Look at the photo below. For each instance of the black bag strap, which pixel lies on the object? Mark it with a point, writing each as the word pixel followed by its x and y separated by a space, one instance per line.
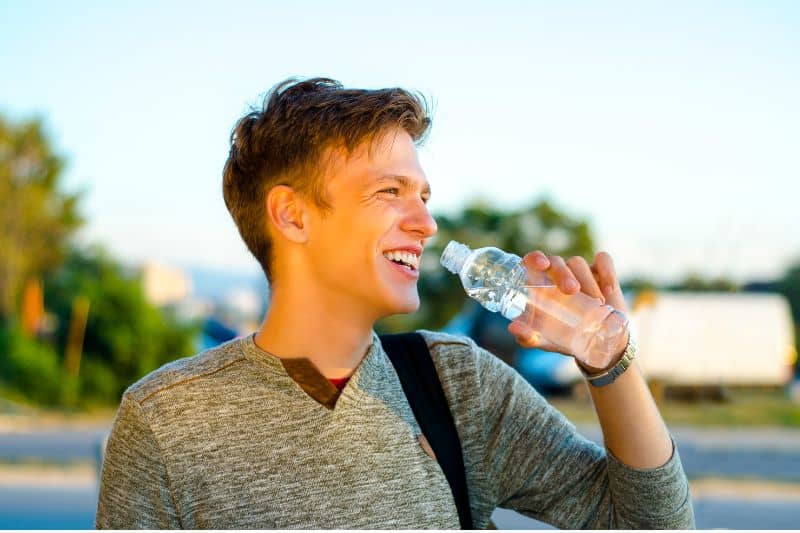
pixel 414 366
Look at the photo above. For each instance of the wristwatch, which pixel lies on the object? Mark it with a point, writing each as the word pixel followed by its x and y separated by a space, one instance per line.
pixel 609 376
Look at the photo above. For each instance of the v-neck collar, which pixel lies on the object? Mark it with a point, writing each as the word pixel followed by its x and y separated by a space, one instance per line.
pixel 306 378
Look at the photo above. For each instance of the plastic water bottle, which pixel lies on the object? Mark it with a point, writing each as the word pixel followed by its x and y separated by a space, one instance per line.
pixel 583 326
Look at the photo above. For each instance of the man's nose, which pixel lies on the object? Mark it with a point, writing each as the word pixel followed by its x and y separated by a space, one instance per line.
pixel 419 220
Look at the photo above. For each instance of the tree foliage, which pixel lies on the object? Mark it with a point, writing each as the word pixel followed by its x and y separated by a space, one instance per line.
pixel 696 283
pixel 789 286
pixel 126 336
pixel 30 367
pixel 37 217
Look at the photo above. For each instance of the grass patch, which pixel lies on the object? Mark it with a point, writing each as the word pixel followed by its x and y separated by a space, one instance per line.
pixel 37 462
pixel 19 412
pixel 741 408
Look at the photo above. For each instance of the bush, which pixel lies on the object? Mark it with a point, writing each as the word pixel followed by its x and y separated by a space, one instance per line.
pixel 98 382
pixel 126 337
pixel 29 366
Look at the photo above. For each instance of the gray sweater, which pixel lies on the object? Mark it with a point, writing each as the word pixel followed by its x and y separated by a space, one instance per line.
pixel 227 439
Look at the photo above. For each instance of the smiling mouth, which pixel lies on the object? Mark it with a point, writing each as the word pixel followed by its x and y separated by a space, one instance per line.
pixel 406 259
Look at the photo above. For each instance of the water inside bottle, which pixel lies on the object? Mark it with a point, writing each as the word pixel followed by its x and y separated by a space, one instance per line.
pixel 513 302
pixel 489 297
pixel 509 302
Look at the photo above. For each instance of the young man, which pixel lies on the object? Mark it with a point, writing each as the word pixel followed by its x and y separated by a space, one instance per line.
pixel 304 424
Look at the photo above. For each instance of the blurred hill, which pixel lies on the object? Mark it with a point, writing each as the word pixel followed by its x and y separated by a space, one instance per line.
pixel 216 284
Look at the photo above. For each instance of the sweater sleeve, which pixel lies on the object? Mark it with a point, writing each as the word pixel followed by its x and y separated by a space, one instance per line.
pixel 538 464
pixel 134 486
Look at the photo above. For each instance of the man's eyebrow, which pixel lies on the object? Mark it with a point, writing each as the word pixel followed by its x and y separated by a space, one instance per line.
pixel 405 181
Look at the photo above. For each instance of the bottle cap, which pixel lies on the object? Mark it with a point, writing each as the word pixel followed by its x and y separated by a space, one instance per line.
pixel 454 256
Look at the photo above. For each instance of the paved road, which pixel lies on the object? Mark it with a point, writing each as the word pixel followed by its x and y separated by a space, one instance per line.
pixel 768 453
pixel 53 446
pixel 47 508
pixel 709 514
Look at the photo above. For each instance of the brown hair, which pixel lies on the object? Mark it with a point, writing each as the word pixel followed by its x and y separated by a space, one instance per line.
pixel 283 143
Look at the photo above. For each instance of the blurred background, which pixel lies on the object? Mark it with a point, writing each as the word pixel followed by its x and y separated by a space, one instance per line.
pixel 663 133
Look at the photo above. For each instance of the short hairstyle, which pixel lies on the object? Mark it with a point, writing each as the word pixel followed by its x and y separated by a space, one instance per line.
pixel 283 143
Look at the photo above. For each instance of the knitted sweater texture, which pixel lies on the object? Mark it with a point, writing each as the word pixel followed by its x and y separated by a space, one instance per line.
pixel 227 439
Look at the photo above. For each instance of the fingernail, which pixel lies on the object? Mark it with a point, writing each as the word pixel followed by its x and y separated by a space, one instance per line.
pixel 608 290
pixel 571 284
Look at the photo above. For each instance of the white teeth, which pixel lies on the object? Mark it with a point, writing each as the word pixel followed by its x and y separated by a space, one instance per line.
pixel 406 257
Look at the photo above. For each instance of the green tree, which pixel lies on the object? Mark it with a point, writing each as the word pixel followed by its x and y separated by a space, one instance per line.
pixel 538 227
pixel 638 283
pixel 126 336
pixel 37 217
pixel 789 286
pixel 696 283
pixel 29 366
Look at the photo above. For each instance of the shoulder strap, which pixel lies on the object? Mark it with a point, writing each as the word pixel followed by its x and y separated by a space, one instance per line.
pixel 412 361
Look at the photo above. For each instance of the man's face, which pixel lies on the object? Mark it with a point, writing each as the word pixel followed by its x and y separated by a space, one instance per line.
pixel 379 217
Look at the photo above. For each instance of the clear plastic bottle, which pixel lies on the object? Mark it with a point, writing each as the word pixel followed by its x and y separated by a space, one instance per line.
pixel 583 326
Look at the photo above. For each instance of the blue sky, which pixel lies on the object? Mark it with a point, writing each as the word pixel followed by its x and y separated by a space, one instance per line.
pixel 673 126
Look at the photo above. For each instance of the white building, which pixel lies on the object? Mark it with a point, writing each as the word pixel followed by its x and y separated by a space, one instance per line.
pixel 164 285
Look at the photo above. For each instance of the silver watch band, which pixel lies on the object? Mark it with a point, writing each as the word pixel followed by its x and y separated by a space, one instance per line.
pixel 609 376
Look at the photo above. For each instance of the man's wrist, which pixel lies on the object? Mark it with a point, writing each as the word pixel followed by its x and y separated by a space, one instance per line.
pixel 602 377
pixel 614 361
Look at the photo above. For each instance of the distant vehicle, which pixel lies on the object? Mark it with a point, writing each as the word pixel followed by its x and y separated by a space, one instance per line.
pixel 729 339
pixel 548 372
pixel 215 332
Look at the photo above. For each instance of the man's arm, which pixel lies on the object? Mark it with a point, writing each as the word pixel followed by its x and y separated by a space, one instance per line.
pixel 134 486
pixel 643 465
pixel 537 463
pixel 633 429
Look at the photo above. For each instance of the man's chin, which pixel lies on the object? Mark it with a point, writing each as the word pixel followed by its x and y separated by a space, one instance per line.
pixel 403 307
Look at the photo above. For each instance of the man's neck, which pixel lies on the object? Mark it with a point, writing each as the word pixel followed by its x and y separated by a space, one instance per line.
pixel 317 328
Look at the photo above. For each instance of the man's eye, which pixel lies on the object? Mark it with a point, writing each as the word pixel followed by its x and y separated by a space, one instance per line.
pixel 394 191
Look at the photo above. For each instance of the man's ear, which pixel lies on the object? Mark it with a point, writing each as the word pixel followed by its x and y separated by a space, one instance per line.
pixel 287 212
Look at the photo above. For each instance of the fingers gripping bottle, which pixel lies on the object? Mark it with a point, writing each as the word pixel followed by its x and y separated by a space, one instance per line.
pixel 583 326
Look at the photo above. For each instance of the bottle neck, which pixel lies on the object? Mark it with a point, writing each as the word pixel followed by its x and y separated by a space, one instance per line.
pixel 454 256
